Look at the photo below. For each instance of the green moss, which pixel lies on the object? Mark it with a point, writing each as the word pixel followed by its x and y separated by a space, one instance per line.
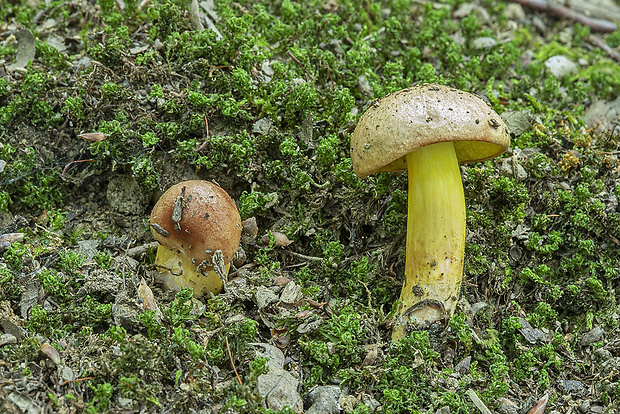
pixel 179 311
pixel 50 56
pixel 335 346
pixel 132 387
pixel 103 259
pixel 461 330
pixel 102 393
pixel 9 289
pixel 113 92
pixel 44 323
pixel 14 256
pixel 28 102
pixel 254 203
pixel 53 283
pixel 544 357
pixel 403 382
pixel 70 261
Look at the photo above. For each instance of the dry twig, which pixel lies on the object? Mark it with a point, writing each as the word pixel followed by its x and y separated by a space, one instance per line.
pixel 604 47
pixel 204 144
pixel 64 170
pixel 596 25
pixel 77 380
pixel 302 256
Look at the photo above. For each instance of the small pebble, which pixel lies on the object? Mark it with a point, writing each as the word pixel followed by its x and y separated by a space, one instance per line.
pixel 560 66
pixel 594 335
pixel 484 43
pixel 514 11
pixel 571 386
pixel 324 400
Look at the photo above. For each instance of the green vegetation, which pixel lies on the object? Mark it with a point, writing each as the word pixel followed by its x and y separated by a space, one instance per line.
pixel 265 106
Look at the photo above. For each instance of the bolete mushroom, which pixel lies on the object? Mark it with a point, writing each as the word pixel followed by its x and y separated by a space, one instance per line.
pixel 198 229
pixel 429 130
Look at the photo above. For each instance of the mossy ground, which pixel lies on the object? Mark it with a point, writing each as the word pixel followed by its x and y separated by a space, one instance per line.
pixel 265 106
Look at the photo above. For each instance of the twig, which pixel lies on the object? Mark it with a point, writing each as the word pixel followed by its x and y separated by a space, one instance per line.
pixel 204 144
pixel 288 52
pixel 596 25
pixel 143 3
pixel 303 256
pixel 330 77
pixel 232 362
pixel 64 170
pixel 604 47
pixel 77 380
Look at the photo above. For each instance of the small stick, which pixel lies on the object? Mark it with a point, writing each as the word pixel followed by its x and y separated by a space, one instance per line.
pixel 330 77
pixel 142 4
pixel 596 25
pixel 604 47
pixel 204 144
pixel 231 361
pixel 302 256
pixel 77 380
pixel 64 170
pixel 298 62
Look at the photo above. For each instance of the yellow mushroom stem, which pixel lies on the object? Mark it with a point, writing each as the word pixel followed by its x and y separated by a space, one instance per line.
pixel 435 238
pixel 177 272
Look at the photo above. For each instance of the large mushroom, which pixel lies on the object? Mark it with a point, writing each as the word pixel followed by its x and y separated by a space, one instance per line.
pixel 198 229
pixel 429 130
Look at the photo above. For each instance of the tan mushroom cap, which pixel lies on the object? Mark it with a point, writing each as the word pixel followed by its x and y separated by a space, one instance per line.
pixel 209 221
pixel 422 115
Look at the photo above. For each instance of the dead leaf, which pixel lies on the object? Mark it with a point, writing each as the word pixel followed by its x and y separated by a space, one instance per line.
pixel 94 136
pixel 148 299
pixel 281 281
pixel 51 352
pixel 540 406
pixel 279 239
pixel 25 50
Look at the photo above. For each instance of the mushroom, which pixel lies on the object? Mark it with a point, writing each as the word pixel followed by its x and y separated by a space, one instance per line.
pixel 198 229
pixel 429 130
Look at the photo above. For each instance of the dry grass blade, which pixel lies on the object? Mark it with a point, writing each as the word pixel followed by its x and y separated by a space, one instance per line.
pixel 478 402
pixel 232 362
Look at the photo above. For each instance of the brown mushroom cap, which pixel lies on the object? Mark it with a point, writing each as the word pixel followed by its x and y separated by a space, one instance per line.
pixel 422 115
pixel 209 221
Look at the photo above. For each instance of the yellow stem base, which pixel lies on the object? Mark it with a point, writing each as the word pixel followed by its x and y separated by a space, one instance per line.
pixel 177 272
pixel 435 238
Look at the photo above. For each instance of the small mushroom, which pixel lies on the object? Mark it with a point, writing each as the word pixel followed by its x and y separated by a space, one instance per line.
pixel 193 222
pixel 429 130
